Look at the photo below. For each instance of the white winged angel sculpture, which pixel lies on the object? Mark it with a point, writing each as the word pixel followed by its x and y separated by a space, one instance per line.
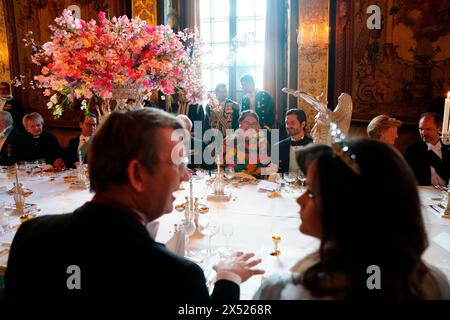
pixel 341 115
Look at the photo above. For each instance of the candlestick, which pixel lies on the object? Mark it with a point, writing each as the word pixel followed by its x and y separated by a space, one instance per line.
pixel 191 195
pixel 17 178
pixel 80 158
pixel 446 114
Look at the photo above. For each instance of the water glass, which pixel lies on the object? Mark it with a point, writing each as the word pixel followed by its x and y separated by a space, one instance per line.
pixel 301 178
pixel 211 229
pixel 229 173
pixel 4 218
pixel 227 232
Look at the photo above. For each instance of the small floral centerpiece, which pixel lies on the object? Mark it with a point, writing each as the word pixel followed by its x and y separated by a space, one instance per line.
pixel 87 60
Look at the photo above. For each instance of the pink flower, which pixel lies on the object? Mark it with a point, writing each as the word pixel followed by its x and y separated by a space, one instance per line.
pixel 85 60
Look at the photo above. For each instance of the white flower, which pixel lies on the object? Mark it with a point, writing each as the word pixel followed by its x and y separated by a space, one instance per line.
pixel 54 99
pixel 83 105
pixel 58 110
pixel 50 105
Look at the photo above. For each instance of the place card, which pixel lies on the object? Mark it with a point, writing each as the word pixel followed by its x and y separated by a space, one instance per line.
pixel 267 185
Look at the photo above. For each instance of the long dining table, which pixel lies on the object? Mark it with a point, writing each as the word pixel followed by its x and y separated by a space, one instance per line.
pixel 254 214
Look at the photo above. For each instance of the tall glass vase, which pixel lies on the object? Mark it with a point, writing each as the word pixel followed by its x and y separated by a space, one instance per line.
pixel 123 97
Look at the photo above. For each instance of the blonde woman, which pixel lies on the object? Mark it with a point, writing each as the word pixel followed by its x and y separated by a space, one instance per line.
pixel 41 144
pixel 384 128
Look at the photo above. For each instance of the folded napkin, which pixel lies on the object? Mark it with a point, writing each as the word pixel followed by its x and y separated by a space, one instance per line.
pixel 245 176
pixel 152 228
pixel 176 244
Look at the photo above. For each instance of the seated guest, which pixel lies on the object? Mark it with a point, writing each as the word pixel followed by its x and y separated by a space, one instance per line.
pixel 295 125
pixel 196 146
pixel 12 106
pixel 384 128
pixel 12 142
pixel 429 158
pixel 134 173
pixel 88 123
pixel 363 205
pixel 250 150
pixel 41 144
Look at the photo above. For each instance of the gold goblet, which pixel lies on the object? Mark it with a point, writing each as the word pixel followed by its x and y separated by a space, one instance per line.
pixel 276 240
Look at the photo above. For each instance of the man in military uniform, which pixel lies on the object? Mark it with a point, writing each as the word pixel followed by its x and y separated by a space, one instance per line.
pixel 257 100
pixel 225 114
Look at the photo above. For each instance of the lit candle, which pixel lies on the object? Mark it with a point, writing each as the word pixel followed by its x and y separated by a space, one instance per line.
pixel 446 115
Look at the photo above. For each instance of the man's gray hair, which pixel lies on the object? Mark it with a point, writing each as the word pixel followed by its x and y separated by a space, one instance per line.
pixel 185 120
pixel 6 116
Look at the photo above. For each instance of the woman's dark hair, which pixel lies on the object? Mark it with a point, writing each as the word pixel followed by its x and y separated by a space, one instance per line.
pixel 368 219
pixel 248 113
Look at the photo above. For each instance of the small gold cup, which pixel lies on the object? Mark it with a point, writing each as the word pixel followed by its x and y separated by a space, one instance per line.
pixel 276 240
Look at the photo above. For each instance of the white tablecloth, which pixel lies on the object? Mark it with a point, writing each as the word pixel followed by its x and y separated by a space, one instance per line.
pixel 255 217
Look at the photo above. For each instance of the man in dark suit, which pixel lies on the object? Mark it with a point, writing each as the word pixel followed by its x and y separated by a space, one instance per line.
pixel 429 158
pixel 103 250
pixel 12 142
pixel 88 123
pixel 257 100
pixel 295 124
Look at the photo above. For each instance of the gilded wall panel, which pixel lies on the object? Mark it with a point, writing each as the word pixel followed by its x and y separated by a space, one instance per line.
pixel 5 72
pixel 145 10
pixel 313 60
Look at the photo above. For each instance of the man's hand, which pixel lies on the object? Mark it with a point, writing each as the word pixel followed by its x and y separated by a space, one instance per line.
pixel 241 265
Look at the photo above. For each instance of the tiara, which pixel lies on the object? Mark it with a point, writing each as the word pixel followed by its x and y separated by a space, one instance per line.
pixel 343 152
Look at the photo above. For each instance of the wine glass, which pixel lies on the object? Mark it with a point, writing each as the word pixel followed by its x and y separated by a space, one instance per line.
pixel 189 228
pixel 278 177
pixel 211 229
pixel 227 232
pixel 290 177
pixel 301 178
pixel 229 173
pixel 4 218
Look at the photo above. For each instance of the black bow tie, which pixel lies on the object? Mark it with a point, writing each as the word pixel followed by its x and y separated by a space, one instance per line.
pixel 297 143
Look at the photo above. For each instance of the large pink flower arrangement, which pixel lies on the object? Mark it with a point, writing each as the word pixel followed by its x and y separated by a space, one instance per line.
pixel 86 60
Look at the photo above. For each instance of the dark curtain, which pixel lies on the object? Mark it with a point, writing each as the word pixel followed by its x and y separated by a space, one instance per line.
pixel 276 54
